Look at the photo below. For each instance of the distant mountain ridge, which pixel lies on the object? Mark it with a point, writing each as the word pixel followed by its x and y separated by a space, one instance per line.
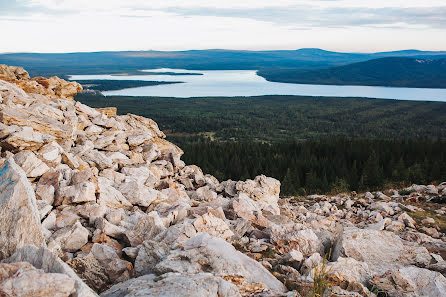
pixel 216 59
pixel 393 71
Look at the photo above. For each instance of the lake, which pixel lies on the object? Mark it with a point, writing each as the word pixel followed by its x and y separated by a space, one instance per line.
pixel 231 83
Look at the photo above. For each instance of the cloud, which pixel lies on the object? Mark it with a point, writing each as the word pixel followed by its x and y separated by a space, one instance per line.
pixel 331 17
pixel 343 25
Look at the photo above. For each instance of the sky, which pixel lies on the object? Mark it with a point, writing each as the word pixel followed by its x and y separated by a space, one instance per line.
pixel 116 25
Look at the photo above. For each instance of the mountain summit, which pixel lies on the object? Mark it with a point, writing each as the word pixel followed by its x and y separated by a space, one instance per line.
pixel 92 202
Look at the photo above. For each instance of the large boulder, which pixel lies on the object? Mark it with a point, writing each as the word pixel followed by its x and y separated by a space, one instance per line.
pixel 173 285
pixel 19 215
pixel 381 250
pixel 295 236
pixel 42 258
pixel 22 279
pixel 263 190
pixel 204 253
pixel 411 281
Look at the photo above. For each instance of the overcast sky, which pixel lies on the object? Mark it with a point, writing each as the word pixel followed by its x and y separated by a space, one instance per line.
pixel 339 25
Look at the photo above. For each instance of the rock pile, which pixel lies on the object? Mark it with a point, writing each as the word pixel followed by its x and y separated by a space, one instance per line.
pixel 100 203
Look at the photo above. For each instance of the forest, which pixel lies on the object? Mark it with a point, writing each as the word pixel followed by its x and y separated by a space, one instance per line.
pixel 322 166
pixel 111 85
pixel 284 118
pixel 391 71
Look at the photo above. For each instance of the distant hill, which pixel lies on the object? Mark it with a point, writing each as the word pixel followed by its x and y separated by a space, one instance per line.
pixel 118 62
pixel 397 72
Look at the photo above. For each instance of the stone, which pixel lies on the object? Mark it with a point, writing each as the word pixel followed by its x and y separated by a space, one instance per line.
pixel 149 254
pixel 428 221
pixel 204 194
pixel 109 196
pixel 218 257
pixel 33 166
pixel 292 236
pixel 45 193
pixel 90 112
pixel 24 280
pixel 147 227
pixel 70 160
pixel 119 270
pixel 349 273
pixel 407 220
pixel 138 194
pixel 98 159
pixel 381 250
pixel 411 281
pixel 174 284
pixel 79 193
pixel 176 235
pixel 42 258
pixel 70 239
pixel 431 189
pixel 264 191
pixel 214 226
pixel 44 208
pixel 19 215
pixel 91 271
pixel 311 262
pixel 382 206
pixel 51 152
pixel 39 123
pixel 12 73
pixel 25 138
pixel 294 256
pixel 245 208
pixel 110 229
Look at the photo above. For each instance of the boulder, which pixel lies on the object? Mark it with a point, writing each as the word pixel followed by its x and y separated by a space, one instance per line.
pixel 350 275
pixel 219 257
pixel 42 258
pixel 173 285
pixel 138 194
pixel 25 138
pixel 264 191
pixel 33 166
pixel 19 215
pixel 22 279
pixel 150 253
pixel 147 227
pixel 411 281
pixel 214 226
pixel 294 236
pixel 91 271
pixel 70 239
pixel 79 193
pixel 40 123
pixel 111 197
pixel 381 250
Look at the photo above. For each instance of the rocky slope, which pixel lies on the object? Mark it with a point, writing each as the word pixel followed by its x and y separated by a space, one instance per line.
pixel 94 203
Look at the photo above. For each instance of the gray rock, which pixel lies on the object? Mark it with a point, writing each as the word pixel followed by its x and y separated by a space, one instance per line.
pixel 149 255
pixel 411 281
pixel 44 259
pixel 70 239
pixel 173 285
pixel 22 279
pixel 219 257
pixel 19 215
pixel 381 250
pixel 33 166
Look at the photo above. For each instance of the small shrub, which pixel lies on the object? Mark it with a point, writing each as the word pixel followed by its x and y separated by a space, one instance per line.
pixel 406 192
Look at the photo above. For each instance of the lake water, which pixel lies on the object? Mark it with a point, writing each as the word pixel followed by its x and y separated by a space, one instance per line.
pixel 230 83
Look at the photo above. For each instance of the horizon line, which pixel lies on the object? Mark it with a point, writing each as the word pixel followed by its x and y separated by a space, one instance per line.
pixel 221 49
